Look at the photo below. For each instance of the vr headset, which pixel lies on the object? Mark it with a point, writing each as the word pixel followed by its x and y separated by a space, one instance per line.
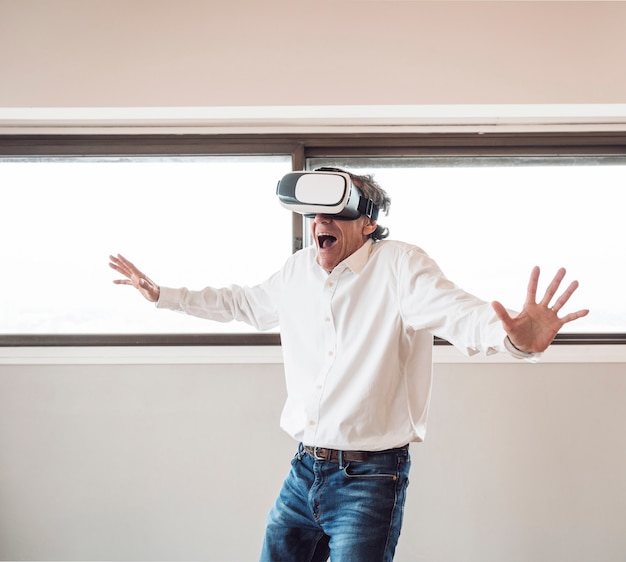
pixel 325 191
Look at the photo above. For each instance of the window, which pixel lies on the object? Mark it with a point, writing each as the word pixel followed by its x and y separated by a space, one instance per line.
pixel 200 210
pixel 487 221
pixel 189 221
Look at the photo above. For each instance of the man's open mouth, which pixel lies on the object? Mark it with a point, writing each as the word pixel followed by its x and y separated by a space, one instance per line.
pixel 325 241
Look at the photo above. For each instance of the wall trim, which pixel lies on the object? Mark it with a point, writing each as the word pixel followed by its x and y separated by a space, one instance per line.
pixel 314 119
pixel 210 355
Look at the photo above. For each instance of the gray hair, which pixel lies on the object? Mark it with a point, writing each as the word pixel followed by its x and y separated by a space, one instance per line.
pixel 379 197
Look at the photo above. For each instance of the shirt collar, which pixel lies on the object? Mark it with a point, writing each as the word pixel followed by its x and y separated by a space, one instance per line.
pixel 356 261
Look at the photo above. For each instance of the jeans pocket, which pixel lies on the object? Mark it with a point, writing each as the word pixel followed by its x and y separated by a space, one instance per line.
pixel 370 471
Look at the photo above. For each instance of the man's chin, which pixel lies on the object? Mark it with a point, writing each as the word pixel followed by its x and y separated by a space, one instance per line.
pixel 326 262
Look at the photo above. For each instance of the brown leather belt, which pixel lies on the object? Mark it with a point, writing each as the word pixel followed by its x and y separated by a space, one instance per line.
pixel 324 454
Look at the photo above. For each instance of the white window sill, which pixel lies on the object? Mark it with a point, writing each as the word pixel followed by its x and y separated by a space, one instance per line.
pixel 151 355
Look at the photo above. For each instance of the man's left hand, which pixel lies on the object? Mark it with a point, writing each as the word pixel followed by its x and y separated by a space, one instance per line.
pixel 535 327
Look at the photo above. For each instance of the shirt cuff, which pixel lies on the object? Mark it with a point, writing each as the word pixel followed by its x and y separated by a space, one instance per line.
pixel 518 353
pixel 168 298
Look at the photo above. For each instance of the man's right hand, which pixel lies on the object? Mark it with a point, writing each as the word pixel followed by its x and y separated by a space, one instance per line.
pixel 148 288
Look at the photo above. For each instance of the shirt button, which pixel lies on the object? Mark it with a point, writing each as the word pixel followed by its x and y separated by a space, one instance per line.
pixel 327 319
pixel 311 422
pixel 331 353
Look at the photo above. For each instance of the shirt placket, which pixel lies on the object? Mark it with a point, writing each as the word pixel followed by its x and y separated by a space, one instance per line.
pixel 314 405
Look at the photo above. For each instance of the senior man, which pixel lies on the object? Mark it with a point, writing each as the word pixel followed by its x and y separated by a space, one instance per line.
pixel 357 315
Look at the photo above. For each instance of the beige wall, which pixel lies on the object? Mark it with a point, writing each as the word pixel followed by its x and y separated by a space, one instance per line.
pixel 181 462
pixel 110 53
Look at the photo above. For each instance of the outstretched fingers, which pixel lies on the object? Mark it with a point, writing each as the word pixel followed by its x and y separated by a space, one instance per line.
pixel 531 291
pixel 574 316
pixel 116 264
pixel 551 291
pixel 553 287
pixel 535 327
pixel 562 300
pixel 120 264
pixel 133 276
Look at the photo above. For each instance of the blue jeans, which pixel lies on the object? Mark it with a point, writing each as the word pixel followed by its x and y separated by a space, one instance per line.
pixel 350 512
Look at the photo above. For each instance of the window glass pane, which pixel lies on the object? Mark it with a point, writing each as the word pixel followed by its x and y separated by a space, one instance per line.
pixel 487 222
pixel 184 221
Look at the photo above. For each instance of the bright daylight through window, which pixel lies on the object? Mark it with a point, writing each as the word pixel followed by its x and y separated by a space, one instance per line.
pixel 488 221
pixel 192 221
pixel 215 220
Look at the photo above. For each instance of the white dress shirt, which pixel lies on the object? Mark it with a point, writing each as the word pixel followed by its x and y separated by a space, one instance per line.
pixel 357 343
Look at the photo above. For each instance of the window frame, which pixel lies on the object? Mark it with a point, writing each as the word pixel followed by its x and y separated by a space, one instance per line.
pixel 300 147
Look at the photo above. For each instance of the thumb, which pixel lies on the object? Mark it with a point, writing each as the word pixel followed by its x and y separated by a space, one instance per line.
pixel 501 312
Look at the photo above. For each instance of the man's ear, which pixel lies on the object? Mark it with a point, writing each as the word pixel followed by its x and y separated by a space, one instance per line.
pixel 369 227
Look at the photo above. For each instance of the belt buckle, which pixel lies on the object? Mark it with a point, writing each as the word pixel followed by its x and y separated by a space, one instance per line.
pixel 320 453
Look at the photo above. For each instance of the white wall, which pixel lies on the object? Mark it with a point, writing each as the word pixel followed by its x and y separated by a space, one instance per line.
pixel 138 462
pixel 181 462
pixel 149 462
